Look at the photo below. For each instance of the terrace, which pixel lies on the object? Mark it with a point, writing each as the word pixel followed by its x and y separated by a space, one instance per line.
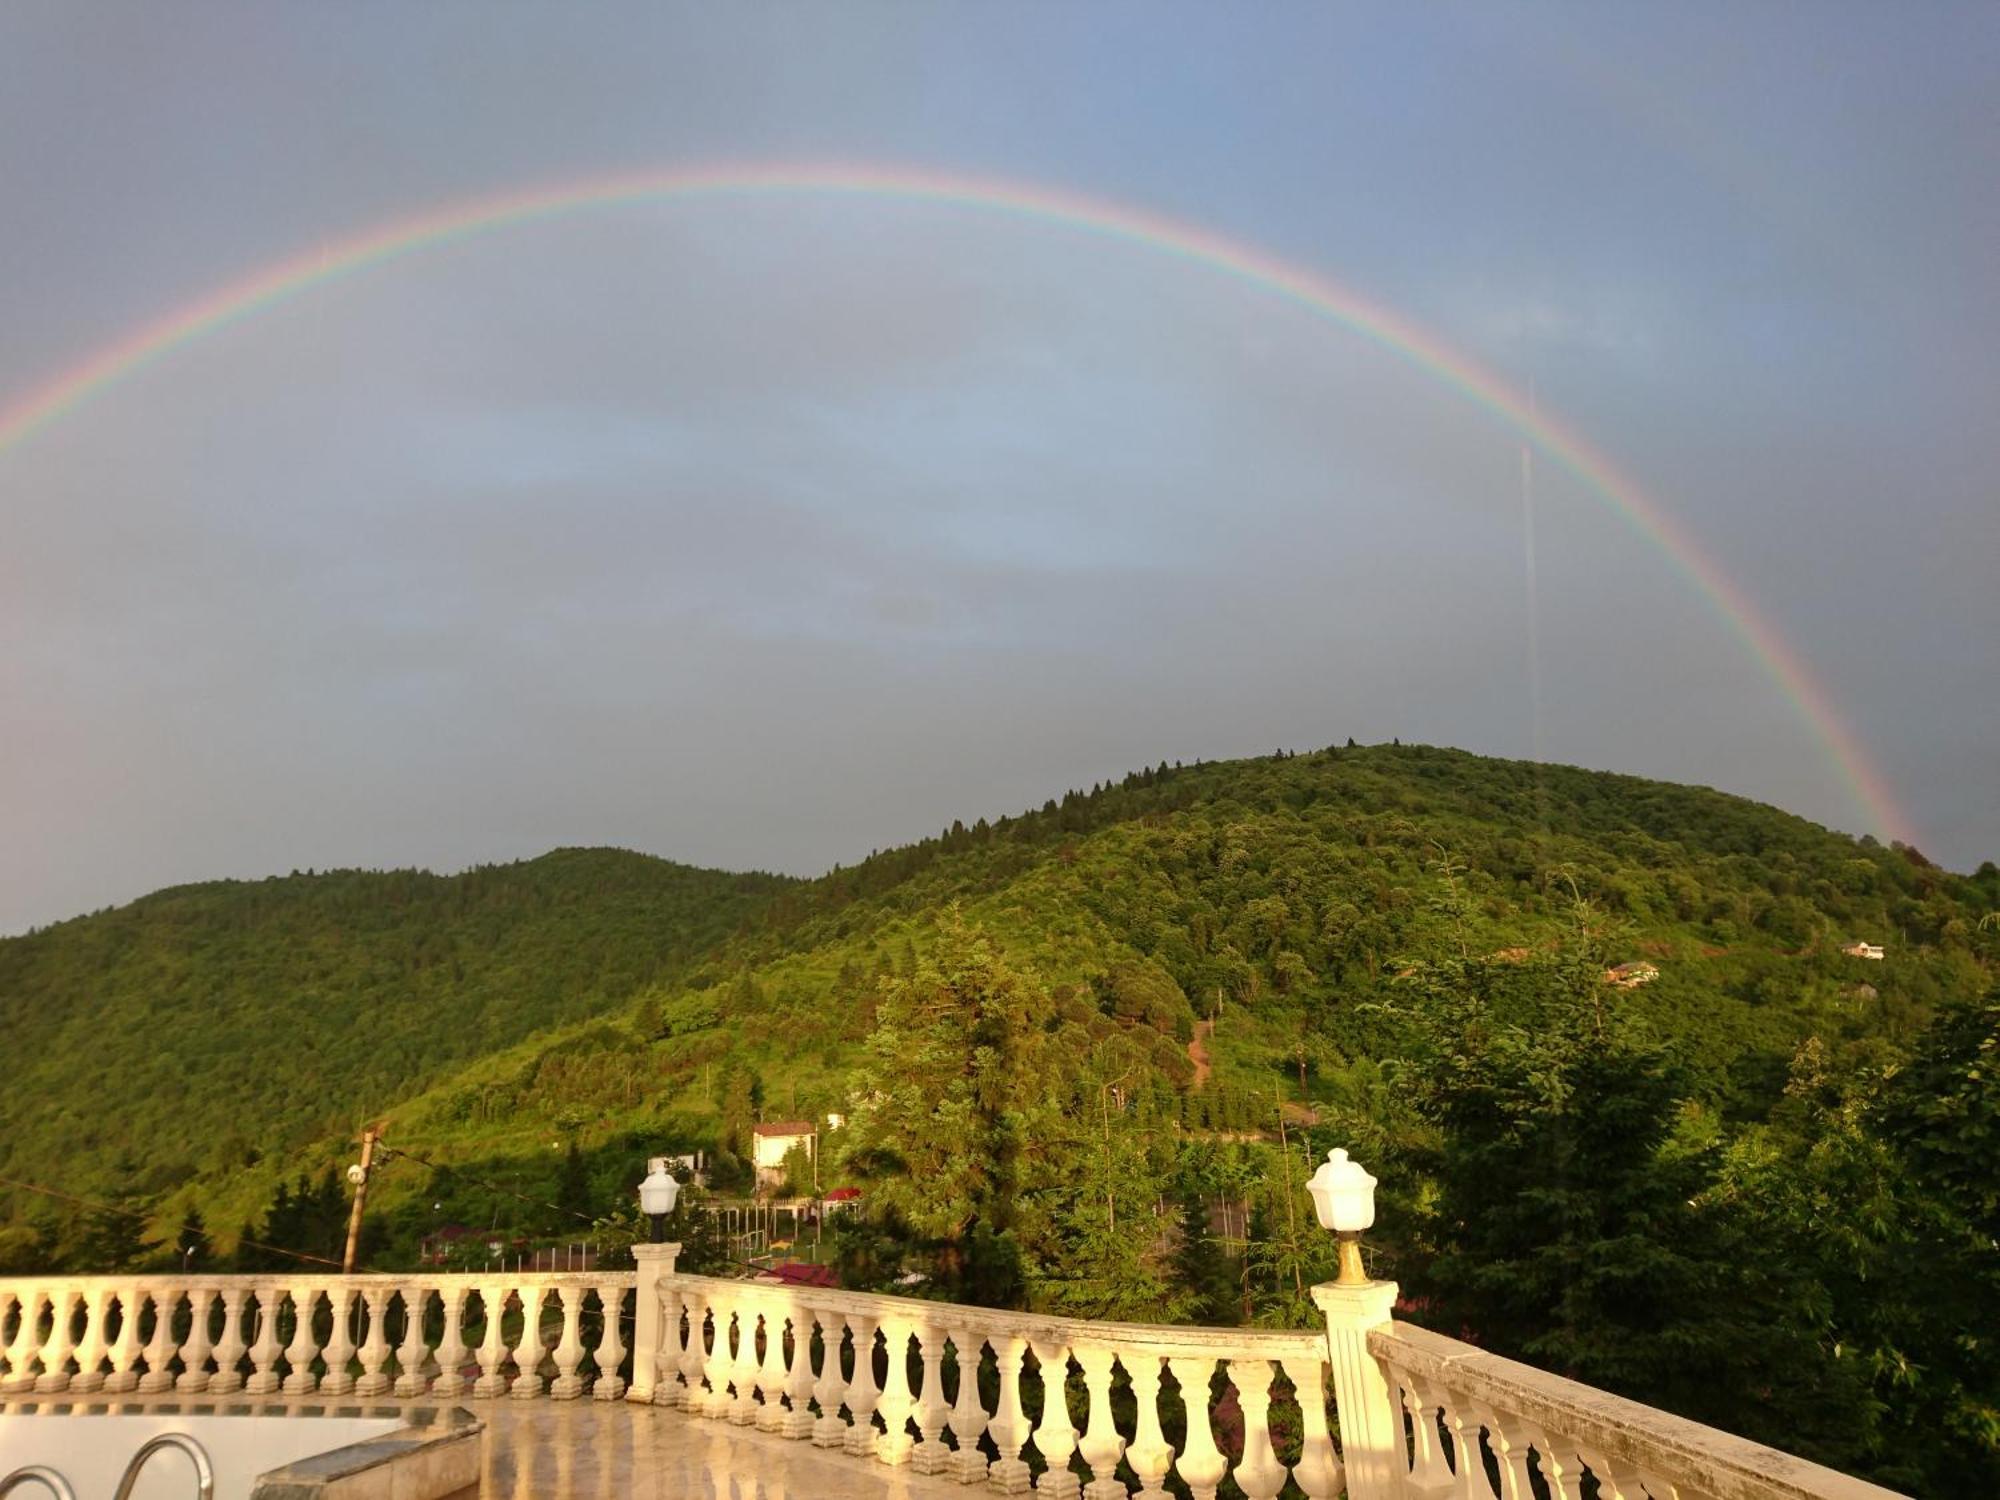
pixel 658 1382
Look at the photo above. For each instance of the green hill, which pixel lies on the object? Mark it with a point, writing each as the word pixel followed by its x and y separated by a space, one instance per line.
pixel 213 1029
pixel 1637 1115
pixel 201 1043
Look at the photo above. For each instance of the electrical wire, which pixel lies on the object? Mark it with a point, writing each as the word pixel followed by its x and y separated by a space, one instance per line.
pixel 132 1213
pixel 492 1187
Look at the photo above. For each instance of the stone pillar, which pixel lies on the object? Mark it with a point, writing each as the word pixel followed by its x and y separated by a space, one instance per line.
pixel 1371 1423
pixel 648 1334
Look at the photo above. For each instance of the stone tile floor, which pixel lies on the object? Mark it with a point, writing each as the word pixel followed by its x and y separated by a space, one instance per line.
pixel 598 1450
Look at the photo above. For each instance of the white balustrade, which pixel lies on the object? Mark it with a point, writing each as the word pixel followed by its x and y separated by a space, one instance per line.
pixel 1420 1415
pixel 192 1334
pixel 1482 1427
pixel 750 1348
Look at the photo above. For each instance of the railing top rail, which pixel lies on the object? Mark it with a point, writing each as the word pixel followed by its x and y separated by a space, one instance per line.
pixel 1165 1339
pixel 1714 1462
pixel 316 1280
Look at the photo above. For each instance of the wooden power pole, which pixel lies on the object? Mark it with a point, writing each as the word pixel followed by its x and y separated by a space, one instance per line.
pixel 360 1198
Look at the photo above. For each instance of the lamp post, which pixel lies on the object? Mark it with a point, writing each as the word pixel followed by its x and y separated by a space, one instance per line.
pixel 1343 1196
pixel 657 1196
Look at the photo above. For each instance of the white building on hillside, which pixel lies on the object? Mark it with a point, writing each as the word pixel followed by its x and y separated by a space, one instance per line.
pixel 771 1143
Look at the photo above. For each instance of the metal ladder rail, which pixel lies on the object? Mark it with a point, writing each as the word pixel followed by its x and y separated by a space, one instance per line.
pixel 204 1472
pixel 57 1485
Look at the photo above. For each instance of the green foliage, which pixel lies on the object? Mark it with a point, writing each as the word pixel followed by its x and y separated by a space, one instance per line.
pixel 1065 1042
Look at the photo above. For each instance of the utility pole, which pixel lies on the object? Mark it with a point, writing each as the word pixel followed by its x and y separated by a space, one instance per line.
pixel 359 1177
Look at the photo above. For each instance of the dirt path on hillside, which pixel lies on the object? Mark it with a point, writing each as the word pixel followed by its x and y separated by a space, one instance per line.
pixel 1198 1051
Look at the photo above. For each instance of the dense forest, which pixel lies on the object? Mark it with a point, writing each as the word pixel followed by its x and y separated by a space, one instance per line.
pixel 1637 1114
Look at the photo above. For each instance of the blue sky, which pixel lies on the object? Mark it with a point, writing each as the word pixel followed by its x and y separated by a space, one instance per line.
pixel 770 532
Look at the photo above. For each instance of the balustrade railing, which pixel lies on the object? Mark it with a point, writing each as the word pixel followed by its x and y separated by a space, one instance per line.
pixel 1002 1397
pixel 439 1334
pixel 1074 1409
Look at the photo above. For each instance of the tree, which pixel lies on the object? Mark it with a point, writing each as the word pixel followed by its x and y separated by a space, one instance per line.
pixel 948 1091
pixel 573 1194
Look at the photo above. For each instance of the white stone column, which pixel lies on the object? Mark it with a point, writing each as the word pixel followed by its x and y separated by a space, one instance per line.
pixel 89 1351
pixel 160 1348
pixel 610 1351
pixel 653 1261
pixel 375 1349
pixel 27 1343
pixel 568 1385
pixel 194 1376
pixel 451 1349
pixel 124 1350
pixel 1371 1425
pixel 339 1351
pixel 1055 1434
pixel 304 1347
pixel 528 1352
pixel 412 1353
pixel 230 1347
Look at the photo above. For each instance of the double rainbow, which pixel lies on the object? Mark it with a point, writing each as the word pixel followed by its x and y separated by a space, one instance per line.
pixel 1316 294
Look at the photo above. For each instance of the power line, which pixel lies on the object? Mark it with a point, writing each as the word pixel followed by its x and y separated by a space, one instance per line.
pixel 492 1187
pixel 133 1213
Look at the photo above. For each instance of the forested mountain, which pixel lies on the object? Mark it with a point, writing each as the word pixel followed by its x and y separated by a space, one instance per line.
pixel 1637 1114
pixel 210 1029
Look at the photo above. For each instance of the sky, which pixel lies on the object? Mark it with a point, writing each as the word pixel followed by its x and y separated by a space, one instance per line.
pixel 765 530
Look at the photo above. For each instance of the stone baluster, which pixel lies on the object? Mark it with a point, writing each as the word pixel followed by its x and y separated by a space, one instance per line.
pixel 716 1365
pixel 744 1372
pixel 124 1351
pixel 194 1376
pixel 451 1349
pixel 568 1385
pixel 230 1348
pixel 968 1411
pixel 304 1347
pixel 830 1431
pixel 1317 1472
pixel 339 1352
pixel 492 1348
pixel 1055 1435
pixel 1615 1481
pixel 374 1350
pixel 413 1351
pixel 667 1361
pixel 1010 1474
pixel 55 1348
pixel 26 1343
pixel 930 1455
pixel 799 1381
pixel 265 1351
pixel 1201 1463
pixel 862 1393
pixel 159 1352
pixel 1150 1454
pixel 898 1401
pixel 1558 1462
pixel 694 1351
pixel 1510 1454
pixel 1259 1473
pixel 89 1351
pixel 610 1351
pixel 771 1370
pixel 1429 1473
pixel 1101 1445
pixel 1468 1462
pixel 528 1351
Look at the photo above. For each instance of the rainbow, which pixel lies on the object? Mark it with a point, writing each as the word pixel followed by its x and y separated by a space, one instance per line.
pixel 274 284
